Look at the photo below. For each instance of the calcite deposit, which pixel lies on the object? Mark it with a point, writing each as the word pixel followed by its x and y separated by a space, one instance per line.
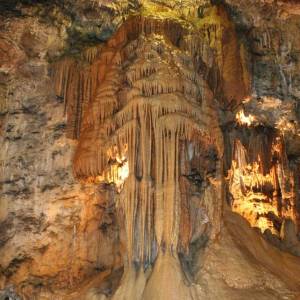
pixel 149 150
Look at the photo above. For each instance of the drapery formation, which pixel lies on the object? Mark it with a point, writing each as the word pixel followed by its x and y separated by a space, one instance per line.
pixel 144 108
pixel 145 118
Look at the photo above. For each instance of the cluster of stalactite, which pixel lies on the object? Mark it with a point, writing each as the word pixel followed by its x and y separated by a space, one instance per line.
pixel 261 182
pixel 76 80
pixel 149 111
pixel 146 121
pixel 144 112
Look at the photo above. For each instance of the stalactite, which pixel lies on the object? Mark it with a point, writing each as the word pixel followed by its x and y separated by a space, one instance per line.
pixel 91 53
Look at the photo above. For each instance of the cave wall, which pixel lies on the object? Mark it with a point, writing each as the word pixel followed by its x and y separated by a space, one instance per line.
pixel 57 233
pixel 51 228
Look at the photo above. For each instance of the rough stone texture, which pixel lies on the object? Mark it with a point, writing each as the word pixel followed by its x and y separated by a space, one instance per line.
pixel 52 230
pixel 60 237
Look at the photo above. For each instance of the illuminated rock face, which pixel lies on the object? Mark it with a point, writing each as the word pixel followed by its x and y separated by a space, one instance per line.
pixel 262 179
pixel 261 183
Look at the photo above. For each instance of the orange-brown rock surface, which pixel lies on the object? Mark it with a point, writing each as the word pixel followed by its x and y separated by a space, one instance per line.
pixel 149 150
